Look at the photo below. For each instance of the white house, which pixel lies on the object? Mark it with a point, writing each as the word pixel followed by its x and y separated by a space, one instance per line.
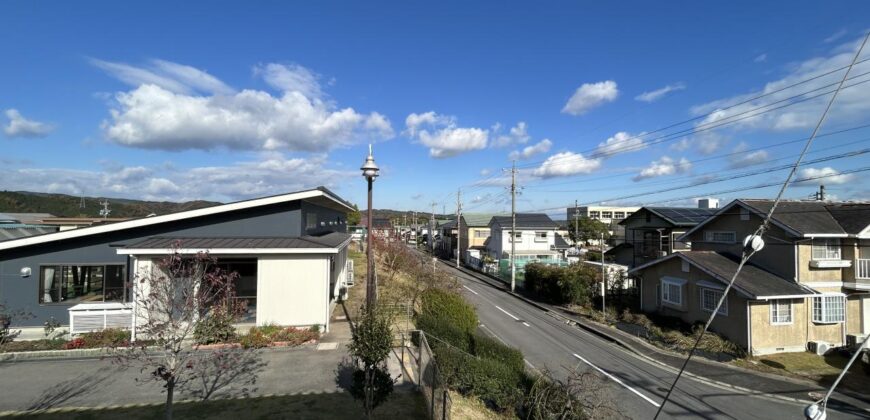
pixel 535 239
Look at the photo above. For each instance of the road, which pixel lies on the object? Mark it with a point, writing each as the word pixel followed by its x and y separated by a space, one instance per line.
pixel 639 385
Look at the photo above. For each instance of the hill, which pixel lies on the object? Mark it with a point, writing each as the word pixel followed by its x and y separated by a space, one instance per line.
pixel 63 205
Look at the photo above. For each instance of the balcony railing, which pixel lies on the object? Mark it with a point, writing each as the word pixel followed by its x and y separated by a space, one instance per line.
pixel 862 268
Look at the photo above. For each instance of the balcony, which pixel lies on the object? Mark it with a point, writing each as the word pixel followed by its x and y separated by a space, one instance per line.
pixel 862 269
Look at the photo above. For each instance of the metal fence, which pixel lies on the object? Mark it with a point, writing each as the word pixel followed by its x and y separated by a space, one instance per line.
pixel 428 377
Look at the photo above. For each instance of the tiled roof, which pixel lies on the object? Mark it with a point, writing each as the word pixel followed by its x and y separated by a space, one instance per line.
pixel 526 220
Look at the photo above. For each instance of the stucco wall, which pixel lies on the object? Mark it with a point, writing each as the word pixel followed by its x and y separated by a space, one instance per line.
pixel 770 338
pixel 292 290
pixel 814 275
pixel 854 321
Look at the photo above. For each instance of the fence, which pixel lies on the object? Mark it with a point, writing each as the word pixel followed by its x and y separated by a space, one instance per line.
pixel 429 381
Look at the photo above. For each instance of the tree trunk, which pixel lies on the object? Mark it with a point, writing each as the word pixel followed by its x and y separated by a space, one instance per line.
pixel 170 390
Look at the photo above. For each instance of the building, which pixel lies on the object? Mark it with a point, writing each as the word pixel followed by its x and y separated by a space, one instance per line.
pixel 651 233
pixel 472 241
pixel 19 225
pixel 382 227
pixel 807 288
pixel 290 251
pixel 609 215
pixel 535 240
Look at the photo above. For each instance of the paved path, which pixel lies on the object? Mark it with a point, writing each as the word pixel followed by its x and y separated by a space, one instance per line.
pixel 639 385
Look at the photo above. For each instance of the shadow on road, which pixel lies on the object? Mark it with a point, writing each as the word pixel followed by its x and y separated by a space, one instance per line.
pixel 67 391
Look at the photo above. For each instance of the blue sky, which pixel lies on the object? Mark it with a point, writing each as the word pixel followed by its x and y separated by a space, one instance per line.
pixel 226 101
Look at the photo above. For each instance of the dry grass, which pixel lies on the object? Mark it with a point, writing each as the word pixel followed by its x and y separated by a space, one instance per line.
pixel 470 408
pixel 805 365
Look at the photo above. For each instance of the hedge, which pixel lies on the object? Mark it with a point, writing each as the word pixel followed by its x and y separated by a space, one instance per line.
pixel 451 307
pixel 439 327
pixel 560 285
pixel 495 383
pixel 492 349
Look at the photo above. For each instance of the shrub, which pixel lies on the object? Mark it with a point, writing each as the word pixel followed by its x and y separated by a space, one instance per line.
pixel 75 343
pixel 109 337
pixel 495 383
pixel 451 307
pixel 216 327
pixel 438 327
pixel 294 336
pixel 255 339
pixel 560 285
pixel 492 349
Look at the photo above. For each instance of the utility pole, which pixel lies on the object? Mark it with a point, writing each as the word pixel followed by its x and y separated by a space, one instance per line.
pixel 458 225
pixel 603 277
pixel 513 225
pixel 415 230
pixel 432 230
pixel 576 224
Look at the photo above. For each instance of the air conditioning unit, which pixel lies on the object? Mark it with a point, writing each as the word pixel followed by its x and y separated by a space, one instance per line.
pixel 855 340
pixel 819 347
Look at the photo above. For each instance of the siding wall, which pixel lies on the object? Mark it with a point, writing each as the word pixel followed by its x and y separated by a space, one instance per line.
pixel 292 290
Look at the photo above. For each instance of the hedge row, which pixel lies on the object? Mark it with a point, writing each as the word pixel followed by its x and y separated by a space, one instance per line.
pixel 560 285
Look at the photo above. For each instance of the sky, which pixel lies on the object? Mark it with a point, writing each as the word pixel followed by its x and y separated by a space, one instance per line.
pixel 644 103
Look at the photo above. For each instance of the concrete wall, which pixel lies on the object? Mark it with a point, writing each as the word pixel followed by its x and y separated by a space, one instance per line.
pixel 293 290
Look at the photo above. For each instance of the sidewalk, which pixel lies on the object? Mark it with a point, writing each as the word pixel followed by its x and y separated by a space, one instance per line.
pixel 711 372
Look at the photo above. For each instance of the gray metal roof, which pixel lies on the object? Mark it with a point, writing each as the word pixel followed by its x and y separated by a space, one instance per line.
pixel 526 220
pixel 327 241
pixel 681 216
pixel 853 218
pixel 801 216
pixel 20 230
pixel 478 219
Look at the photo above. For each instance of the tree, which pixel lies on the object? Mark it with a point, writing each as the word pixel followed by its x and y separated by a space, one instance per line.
pixel 172 298
pixel 586 229
pixel 354 217
pixel 581 395
pixel 370 346
pixel 9 317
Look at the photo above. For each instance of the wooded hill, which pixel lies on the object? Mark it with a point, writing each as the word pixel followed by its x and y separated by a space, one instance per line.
pixel 63 205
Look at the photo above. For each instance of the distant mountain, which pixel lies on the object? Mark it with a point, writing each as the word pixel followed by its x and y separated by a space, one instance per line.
pixel 63 205
pixel 399 216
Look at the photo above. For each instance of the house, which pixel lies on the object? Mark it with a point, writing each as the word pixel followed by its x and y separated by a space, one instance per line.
pixel 535 240
pixel 19 225
pixel 807 288
pixel 475 232
pixel 290 251
pixel 652 232
pixel 382 227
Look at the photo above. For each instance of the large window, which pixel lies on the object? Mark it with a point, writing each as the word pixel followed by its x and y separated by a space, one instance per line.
pixel 540 236
pixel 672 292
pixel 619 215
pixel 829 309
pixel 82 283
pixel 606 215
pixel 780 311
pixel 826 248
pixel 724 237
pixel 593 214
pixel 709 300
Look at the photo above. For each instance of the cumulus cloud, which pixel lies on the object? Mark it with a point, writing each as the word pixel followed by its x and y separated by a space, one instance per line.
pixel 760 58
pixel 853 102
pixel 591 95
pixel 566 164
pixel 541 147
pixel 19 126
pixel 659 93
pixel 826 175
pixel 742 159
pixel 620 142
pixel 518 134
pixel 162 115
pixel 664 166
pixel 269 174
pixel 442 136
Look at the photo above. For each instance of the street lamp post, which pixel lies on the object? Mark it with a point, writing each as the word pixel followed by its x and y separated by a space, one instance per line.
pixel 370 172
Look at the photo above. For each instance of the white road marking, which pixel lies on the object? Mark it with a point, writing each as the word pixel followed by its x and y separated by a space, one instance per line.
pixel 507 313
pixel 618 381
pixel 469 289
pixel 526 324
pixel 530 364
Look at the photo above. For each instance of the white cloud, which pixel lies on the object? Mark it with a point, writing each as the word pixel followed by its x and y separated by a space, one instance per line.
pixel 541 147
pixel 178 78
pixel 268 174
pixel 708 143
pixel 566 164
pixel 621 142
pixel 591 95
pixel 742 159
pixel 160 115
pixel 485 172
pixel 826 175
pixel 852 104
pixel 659 93
pixel 22 127
pixel 664 166
pixel 442 136
pixel 835 36
pixel 761 58
pixel 518 134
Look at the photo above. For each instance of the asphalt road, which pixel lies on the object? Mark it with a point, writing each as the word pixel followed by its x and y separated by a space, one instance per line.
pixel 639 386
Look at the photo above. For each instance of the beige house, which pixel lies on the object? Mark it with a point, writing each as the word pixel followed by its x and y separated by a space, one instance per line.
pixel 809 284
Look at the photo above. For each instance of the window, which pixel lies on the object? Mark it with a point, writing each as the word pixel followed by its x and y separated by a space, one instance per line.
pixel 593 214
pixel 720 236
pixel 517 237
pixel 744 214
pixel 540 236
pixel 619 215
pixel 826 248
pixel 672 292
pixel 709 300
pixel 606 215
pixel 829 309
pixel 684 266
pixel 481 233
pixel 780 311
pixel 82 283
pixel 310 221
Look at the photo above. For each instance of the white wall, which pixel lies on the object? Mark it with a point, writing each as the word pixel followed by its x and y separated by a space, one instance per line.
pixel 528 242
pixel 293 290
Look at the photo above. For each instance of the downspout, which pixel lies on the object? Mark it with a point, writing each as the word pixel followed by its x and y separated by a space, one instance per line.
pixel 328 292
pixel 133 292
pixel 749 328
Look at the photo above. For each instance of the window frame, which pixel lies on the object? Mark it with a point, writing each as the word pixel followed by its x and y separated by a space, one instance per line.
pixel 665 292
pixel 710 236
pixel 775 311
pixel 606 214
pixel 538 237
pixel 821 302
pixel 619 215
pixel 59 269
pixel 594 214
pixel 827 247
pixel 723 310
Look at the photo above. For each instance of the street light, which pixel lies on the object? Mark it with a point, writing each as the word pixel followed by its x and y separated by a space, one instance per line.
pixel 370 172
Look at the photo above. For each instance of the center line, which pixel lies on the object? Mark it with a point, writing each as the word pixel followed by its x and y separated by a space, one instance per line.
pixel 618 381
pixel 506 312
pixel 469 289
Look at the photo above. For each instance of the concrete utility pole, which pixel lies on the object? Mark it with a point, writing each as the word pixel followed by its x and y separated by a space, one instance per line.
pixel 415 230
pixel 432 230
pixel 513 225
pixel 603 277
pixel 458 225
pixel 576 223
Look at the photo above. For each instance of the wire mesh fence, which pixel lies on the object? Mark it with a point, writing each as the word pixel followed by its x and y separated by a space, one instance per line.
pixel 428 377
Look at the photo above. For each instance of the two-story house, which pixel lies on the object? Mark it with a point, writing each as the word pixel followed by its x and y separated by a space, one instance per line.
pixel 651 233
pixel 534 240
pixel 809 283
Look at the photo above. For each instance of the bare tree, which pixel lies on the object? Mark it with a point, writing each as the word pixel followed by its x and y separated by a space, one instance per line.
pixel 8 317
pixel 171 299
pixel 581 395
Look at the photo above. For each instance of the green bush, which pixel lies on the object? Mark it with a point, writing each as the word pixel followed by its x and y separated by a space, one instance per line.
pixel 450 306
pixel 439 327
pixel 492 349
pixel 255 339
pixel 216 327
pixel 495 383
pixel 560 285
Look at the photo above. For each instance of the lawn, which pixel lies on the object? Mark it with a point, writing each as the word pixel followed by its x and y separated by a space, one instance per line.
pixel 401 405
pixel 823 369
